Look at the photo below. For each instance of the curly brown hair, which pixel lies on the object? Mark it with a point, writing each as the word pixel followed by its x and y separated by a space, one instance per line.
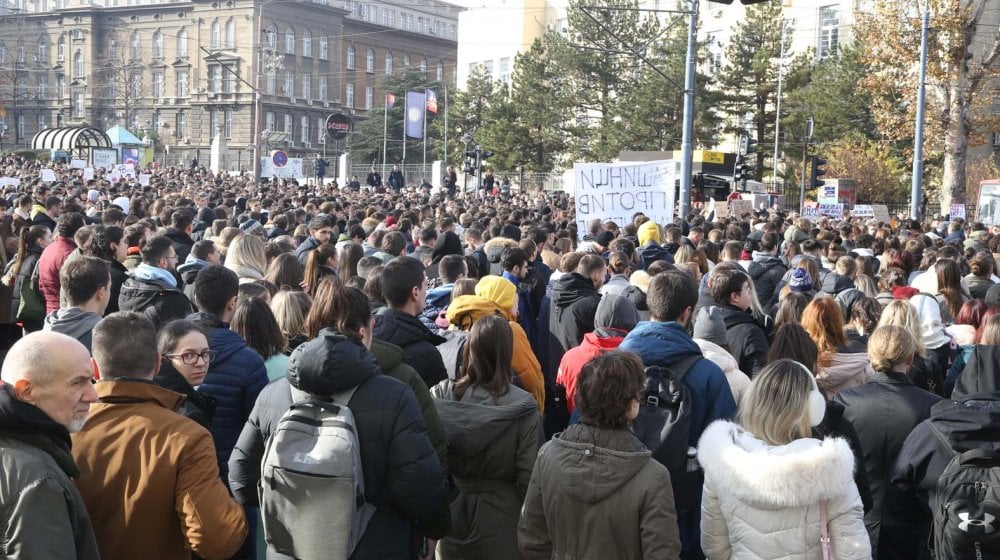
pixel 605 388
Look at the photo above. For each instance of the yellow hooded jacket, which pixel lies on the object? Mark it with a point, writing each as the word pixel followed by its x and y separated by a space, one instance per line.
pixel 464 311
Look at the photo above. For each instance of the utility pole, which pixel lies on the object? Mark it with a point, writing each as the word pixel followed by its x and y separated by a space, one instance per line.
pixel 918 136
pixel 777 107
pixel 687 141
pixel 805 155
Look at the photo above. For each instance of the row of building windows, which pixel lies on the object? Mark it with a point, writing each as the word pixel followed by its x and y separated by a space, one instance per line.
pixel 271 37
pixel 389 61
pixel 297 132
pixel 370 12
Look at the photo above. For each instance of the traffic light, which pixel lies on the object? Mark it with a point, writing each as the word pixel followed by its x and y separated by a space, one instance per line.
pixel 738 172
pixel 747 173
pixel 486 154
pixel 751 146
pixel 818 172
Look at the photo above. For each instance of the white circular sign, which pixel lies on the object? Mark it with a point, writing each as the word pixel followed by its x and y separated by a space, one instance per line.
pixel 414 114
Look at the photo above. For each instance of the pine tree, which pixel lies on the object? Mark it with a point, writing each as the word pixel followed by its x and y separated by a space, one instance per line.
pixel 366 141
pixel 601 70
pixel 749 78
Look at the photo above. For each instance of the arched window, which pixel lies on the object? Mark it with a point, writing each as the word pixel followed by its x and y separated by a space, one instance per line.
pixel 388 64
pixel 157 45
pixel 440 72
pixel 230 34
pixel 135 47
pixel 61 50
pixel 78 65
pixel 307 43
pixel 370 61
pixel 215 40
pixel 290 41
pixel 406 62
pixel 182 43
pixel 43 50
pixel 272 37
pixel 112 50
pixel 324 47
pixel 350 57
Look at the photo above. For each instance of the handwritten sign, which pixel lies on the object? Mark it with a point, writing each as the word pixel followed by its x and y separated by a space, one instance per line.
pixel 48 175
pixel 810 212
pixel 78 164
pixel 88 173
pixel 10 181
pixel 616 191
pixel 957 211
pixel 144 179
pixel 835 211
pixel 881 212
pixel 863 211
pixel 125 170
pixel 721 209
pixel 738 207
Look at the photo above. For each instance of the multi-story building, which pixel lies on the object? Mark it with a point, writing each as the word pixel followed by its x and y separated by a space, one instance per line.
pixel 183 71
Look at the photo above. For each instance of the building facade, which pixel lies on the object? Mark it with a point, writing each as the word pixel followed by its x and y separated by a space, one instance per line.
pixel 181 72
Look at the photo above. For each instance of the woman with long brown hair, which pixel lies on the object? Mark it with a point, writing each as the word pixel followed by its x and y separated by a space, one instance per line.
pixel 494 432
pixel 950 295
pixel 837 368
pixel 322 262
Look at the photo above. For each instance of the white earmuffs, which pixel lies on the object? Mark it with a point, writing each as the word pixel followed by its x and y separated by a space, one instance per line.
pixel 817 403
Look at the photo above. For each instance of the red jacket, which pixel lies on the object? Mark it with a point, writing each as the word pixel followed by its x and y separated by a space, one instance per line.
pixel 574 359
pixel 49 264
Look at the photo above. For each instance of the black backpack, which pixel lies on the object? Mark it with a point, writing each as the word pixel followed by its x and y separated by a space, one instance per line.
pixel 967 507
pixel 664 426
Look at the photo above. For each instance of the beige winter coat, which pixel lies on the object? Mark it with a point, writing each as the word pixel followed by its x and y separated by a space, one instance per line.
pixel 739 382
pixel 762 501
pixel 845 371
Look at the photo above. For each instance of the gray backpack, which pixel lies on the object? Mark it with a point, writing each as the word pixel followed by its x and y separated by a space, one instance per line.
pixel 312 494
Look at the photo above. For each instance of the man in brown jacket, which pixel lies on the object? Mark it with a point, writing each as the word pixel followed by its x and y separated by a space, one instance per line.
pixel 149 476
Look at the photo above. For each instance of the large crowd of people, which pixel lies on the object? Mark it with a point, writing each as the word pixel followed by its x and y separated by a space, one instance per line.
pixel 207 367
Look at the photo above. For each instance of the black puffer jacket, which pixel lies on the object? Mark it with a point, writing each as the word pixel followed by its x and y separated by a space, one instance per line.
pixel 574 303
pixel 747 339
pixel 883 412
pixel 419 344
pixel 119 274
pixel 766 271
pixel 652 252
pixel 968 423
pixel 981 373
pixel 403 477
pixel 160 303
pixel 834 424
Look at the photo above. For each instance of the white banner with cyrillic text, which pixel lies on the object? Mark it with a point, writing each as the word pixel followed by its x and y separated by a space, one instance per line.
pixel 617 191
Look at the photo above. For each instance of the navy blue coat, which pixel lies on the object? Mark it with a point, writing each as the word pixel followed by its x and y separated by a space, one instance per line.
pixel 302 253
pixel 235 378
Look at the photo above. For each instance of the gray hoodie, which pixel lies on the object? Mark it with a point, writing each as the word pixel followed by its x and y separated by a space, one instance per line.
pixel 73 321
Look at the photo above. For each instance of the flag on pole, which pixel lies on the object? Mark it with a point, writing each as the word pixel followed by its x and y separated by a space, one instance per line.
pixel 390 101
pixel 432 101
pixel 415 105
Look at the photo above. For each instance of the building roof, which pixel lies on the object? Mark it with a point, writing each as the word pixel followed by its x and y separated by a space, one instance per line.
pixel 70 138
pixel 120 135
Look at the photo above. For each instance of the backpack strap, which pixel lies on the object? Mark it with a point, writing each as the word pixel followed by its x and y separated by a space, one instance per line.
pixel 943 439
pixel 678 370
pixel 681 368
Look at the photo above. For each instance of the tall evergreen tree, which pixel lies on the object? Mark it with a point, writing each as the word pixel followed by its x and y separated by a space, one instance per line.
pixel 601 70
pixel 749 78
pixel 366 140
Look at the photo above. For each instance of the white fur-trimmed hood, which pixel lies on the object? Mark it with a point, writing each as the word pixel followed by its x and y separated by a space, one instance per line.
pixel 798 474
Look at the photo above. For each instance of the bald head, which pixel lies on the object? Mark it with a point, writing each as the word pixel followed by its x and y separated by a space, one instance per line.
pixel 53 372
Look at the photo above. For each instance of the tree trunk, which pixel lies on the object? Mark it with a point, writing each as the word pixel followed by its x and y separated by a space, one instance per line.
pixel 956 148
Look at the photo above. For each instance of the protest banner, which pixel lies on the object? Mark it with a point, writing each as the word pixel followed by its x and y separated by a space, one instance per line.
pixel 881 212
pixel 957 211
pixel 617 191
pixel 48 176
pixel 78 164
pixel 144 179
pixel 105 158
pixel 835 211
pixel 863 211
pixel 738 207
pixel 88 173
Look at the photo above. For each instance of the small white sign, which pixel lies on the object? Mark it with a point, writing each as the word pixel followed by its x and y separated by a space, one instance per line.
pixel 125 170
pixel 835 211
pixel 48 175
pixel 78 164
pixel 863 211
pixel 88 173
pixel 957 211
pixel 144 179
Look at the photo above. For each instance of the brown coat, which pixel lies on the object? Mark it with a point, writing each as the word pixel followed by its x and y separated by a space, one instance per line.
pixel 150 480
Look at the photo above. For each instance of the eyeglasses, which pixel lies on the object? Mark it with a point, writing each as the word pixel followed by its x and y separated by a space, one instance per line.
pixel 191 358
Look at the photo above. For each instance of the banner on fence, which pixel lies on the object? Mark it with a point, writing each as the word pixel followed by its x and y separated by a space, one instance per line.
pixel 617 191
pixel 835 211
pixel 863 211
